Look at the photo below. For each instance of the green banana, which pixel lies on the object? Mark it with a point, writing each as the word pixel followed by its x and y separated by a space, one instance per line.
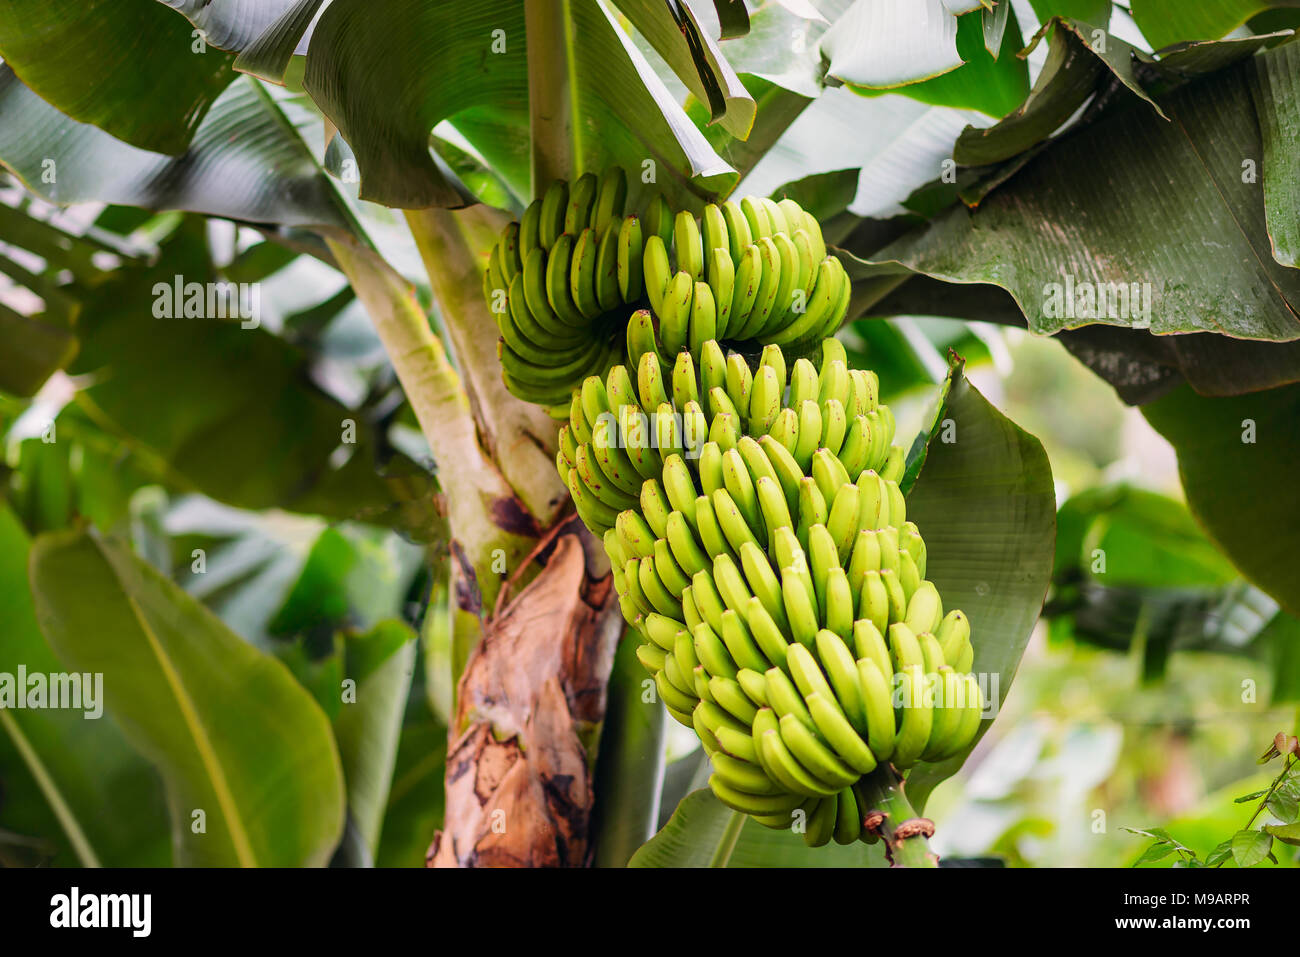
pixel 918 716
pixel 758 539
pixel 688 246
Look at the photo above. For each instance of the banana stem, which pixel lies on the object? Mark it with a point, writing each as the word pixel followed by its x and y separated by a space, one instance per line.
pixel 727 843
pixel 904 832
pixel 480 503
pixel 515 433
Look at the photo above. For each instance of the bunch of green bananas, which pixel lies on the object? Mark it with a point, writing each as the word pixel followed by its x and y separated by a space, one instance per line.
pixel 560 280
pixel 750 510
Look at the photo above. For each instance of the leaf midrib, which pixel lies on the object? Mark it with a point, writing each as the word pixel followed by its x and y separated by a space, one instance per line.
pixel 66 817
pixel 207 754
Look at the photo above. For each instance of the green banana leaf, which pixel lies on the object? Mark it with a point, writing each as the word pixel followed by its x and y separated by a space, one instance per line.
pixel 1283 635
pixel 630 767
pixel 1141 366
pixel 246 161
pixel 381 662
pixel 1276 80
pixel 1236 619
pixel 1165 22
pixel 1070 74
pixel 783 48
pixel 360 69
pixel 231 732
pixel 41 339
pixel 698 826
pixel 227 410
pixel 1134 568
pixel 75 783
pixel 353 577
pixel 1173 179
pixel 231 24
pixel 994 82
pixel 268 34
pixel 682 38
pixel 984 500
pixel 1238 459
pixel 153 102
pixel 362 683
pixel 780 62
pixel 268 56
pixel 891 43
pixel 1096 12
pixel 1141 538
pixel 891 144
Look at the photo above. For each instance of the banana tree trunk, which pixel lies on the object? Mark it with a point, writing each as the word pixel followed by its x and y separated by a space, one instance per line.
pixel 530 588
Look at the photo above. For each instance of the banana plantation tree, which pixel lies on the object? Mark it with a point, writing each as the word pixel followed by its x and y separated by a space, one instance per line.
pixel 364 268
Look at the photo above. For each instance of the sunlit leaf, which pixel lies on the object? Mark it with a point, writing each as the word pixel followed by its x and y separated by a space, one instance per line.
pixel 61 767
pixel 233 735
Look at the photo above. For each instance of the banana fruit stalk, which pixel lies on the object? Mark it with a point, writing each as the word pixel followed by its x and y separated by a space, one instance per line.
pixel 750 507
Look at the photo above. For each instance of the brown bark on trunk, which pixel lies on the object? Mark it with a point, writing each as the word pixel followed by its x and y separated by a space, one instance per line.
pixel 528 713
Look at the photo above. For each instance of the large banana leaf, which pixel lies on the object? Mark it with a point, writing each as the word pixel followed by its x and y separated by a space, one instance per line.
pixel 1142 538
pixel 1070 75
pixel 1165 22
pixel 780 61
pixel 131 67
pixel 991 80
pixel 879 44
pixel 61 773
pixel 232 24
pixel 1276 80
pixel 228 410
pixel 1134 569
pixel 1091 11
pixel 892 145
pixel 1141 366
pixel 783 47
pixel 268 56
pixel 39 338
pixel 984 500
pixel 1037 235
pixel 245 162
pixel 380 87
pixel 1238 459
pixel 251 769
pixel 681 37
pixel 352 578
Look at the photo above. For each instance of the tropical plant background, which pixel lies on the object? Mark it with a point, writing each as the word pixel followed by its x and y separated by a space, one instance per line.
pixel 233 521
